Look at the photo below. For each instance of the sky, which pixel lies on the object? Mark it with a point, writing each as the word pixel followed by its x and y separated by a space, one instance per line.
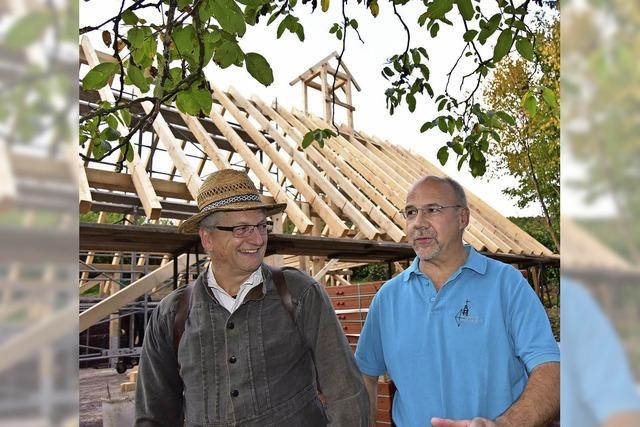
pixel 382 37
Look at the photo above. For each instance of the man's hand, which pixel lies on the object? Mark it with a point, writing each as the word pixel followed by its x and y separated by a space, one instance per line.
pixel 476 422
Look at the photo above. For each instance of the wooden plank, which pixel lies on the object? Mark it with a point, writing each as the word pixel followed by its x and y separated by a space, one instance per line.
pixel 8 189
pixel 150 201
pixel 124 296
pixel 296 215
pixel 115 181
pixel 338 176
pixel 328 266
pixel 336 225
pixel 306 75
pixel 84 191
pixel 366 167
pixel 175 151
pixel 206 141
pixel 397 178
pixel 328 113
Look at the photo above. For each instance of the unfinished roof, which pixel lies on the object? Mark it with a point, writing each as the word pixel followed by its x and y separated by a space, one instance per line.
pixel 355 186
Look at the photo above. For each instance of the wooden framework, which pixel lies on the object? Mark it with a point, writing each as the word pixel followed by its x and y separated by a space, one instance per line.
pixel 343 200
pixel 331 79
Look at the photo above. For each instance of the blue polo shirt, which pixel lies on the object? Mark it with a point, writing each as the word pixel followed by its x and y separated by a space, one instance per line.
pixel 459 353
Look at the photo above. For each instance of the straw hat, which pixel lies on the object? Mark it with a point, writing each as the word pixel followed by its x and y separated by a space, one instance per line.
pixel 227 190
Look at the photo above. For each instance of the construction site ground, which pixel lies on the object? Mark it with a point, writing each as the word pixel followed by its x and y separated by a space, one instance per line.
pixel 93 388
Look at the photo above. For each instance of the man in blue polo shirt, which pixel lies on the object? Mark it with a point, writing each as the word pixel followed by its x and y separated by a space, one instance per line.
pixel 463 337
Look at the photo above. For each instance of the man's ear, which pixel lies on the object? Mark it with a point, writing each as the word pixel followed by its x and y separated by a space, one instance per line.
pixel 464 218
pixel 205 239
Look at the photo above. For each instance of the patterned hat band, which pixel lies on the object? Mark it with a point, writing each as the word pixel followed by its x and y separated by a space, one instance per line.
pixel 231 200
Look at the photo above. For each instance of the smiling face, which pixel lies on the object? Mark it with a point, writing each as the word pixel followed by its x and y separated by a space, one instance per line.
pixel 435 236
pixel 235 258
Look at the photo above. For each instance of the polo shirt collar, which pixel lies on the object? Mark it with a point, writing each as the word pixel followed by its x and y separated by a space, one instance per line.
pixel 475 262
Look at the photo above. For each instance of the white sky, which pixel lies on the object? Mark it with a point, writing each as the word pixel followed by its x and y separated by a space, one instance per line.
pixel 383 36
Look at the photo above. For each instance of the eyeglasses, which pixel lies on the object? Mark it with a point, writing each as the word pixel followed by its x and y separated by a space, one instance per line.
pixel 245 230
pixel 430 211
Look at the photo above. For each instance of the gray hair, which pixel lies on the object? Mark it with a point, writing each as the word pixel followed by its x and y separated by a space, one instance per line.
pixel 458 191
pixel 212 220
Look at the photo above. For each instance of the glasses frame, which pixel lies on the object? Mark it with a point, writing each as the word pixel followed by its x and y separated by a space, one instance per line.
pixel 437 210
pixel 235 229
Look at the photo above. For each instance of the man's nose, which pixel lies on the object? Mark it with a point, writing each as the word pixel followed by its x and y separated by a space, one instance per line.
pixel 255 237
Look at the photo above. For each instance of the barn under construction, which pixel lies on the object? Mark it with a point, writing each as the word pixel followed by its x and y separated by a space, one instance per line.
pixel 343 206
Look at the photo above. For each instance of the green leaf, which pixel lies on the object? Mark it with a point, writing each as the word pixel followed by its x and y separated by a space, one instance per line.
pixel 434 29
pixel 439 8
pixel 503 45
pixel 442 124
pixel 308 139
pixel 227 53
pixel 466 9
pixel 506 118
pixel 228 14
pixel 136 76
pixel 443 155
pixel 110 134
pixel 354 24
pixel 259 68
pixel 549 97
pixel 99 147
pixel 136 36
pixel 426 126
pixel 185 39
pixel 187 103
pixel 374 8
pixel 530 104
pixel 300 33
pixel 127 152
pixel 112 121
pixel 411 102
pixel 129 18
pixel 126 116
pixel 203 99
pixel 324 4
pixel 423 18
pixel 469 35
pixel 489 28
pixel 525 48
pixel 99 75
pixel 27 30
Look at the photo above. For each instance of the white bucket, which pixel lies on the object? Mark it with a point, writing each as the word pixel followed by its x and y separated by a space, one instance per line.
pixel 118 412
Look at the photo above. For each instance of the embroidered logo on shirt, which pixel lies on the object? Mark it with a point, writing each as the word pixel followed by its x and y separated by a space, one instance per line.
pixel 464 315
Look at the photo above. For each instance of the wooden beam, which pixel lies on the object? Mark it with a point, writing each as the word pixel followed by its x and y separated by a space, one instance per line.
pixel 192 180
pixel 124 296
pixel 8 189
pixel 295 131
pixel 84 191
pixel 303 223
pixel 326 95
pixel 336 225
pixel 369 170
pixel 328 266
pixel 209 146
pixel 150 201
pixel 115 181
pixel 305 75
pixel 341 280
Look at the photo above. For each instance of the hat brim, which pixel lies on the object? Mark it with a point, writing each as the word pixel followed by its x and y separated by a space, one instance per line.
pixel 192 225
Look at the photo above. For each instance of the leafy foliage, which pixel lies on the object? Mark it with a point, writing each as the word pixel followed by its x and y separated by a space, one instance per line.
pixel 528 147
pixel 169 54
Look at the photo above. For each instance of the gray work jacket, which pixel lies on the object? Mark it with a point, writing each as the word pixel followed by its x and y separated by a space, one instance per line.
pixel 253 367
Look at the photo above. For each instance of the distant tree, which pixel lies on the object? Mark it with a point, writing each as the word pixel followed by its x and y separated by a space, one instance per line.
pixel 528 145
pixel 161 47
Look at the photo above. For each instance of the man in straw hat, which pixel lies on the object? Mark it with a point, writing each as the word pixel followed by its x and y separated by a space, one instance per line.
pixel 252 345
